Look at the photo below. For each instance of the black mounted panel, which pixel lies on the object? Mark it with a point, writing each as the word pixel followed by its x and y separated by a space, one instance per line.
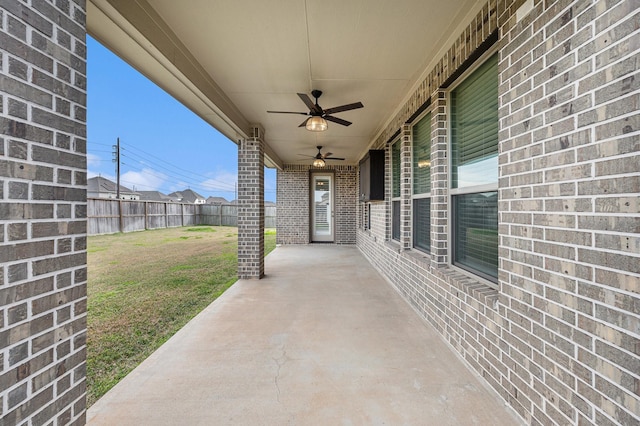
pixel 372 176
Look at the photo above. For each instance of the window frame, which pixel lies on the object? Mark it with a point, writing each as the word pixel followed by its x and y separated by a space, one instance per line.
pixel 465 190
pixel 421 195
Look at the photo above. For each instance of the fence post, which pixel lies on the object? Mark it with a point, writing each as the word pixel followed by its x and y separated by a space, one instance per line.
pixel 120 214
pixel 146 215
pixel 182 214
pixel 166 216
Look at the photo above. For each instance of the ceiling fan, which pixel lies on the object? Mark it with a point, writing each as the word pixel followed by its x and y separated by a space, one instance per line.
pixel 317 115
pixel 319 158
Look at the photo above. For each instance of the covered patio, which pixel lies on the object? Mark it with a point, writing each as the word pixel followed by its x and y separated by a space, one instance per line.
pixel 322 339
pixel 528 266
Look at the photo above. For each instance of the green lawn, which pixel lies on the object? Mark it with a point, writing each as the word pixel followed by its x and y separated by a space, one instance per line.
pixel 144 286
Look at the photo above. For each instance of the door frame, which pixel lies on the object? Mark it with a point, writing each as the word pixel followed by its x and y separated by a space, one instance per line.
pixel 312 175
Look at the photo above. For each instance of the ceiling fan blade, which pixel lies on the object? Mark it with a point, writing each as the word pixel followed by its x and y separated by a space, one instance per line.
pixel 333 158
pixel 308 156
pixel 341 108
pixel 308 102
pixel 304 123
pixel 288 112
pixel 327 154
pixel 337 120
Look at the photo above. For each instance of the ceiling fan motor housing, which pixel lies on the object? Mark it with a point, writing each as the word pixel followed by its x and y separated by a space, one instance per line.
pixel 315 110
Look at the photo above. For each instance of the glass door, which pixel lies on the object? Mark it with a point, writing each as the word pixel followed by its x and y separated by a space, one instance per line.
pixel 322 208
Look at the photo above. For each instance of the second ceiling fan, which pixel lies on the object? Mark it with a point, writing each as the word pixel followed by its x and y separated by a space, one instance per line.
pixel 319 158
pixel 316 113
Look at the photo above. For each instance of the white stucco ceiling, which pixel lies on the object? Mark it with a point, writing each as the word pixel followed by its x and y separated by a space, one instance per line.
pixel 232 60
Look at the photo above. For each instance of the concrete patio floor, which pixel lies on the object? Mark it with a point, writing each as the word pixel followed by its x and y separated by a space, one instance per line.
pixel 322 340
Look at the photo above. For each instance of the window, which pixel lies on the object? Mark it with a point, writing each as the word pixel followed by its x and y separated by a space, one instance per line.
pixel 395 190
pixel 474 171
pixel 422 184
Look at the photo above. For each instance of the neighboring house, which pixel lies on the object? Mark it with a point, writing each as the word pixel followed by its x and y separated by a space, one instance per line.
pixel 156 196
pixel 216 200
pixel 508 216
pixel 188 196
pixel 99 187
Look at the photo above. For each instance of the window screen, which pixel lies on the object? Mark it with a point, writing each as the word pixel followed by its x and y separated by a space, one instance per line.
pixel 422 223
pixel 421 138
pixel 474 152
pixel 395 169
pixel 474 127
pixel 476 233
pixel 422 156
pixel 395 223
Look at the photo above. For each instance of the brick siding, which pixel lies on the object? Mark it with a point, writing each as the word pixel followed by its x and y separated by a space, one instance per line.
pixel 558 338
pixel 293 216
pixel 43 229
pixel 292 205
pixel 251 207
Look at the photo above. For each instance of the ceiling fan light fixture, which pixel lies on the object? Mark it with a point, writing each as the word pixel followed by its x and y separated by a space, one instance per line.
pixel 316 124
pixel 318 162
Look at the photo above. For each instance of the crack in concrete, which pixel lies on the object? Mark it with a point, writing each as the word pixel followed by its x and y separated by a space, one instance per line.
pixel 279 363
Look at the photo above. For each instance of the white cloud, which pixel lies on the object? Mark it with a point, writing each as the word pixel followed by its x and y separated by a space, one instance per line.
pixel 94 163
pixel 177 186
pixel 145 180
pixel 93 160
pixel 221 181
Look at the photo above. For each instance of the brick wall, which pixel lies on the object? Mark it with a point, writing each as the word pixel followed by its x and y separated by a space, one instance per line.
pixel 293 226
pixel 251 206
pixel 558 338
pixel 570 243
pixel 43 212
pixel 346 199
pixel 292 210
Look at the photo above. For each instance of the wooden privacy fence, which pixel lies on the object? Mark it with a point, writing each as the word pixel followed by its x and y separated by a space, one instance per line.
pixel 109 216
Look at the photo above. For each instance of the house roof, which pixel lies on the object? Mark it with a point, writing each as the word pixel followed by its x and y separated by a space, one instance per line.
pixel 154 196
pixel 100 184
pixel 217 200
pixel 230 62
pixel 186 196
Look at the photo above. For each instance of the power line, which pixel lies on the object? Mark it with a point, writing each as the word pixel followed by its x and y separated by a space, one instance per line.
pixel 98 143
pixel 172 170
pixel 146 162
pixel 154 188
pixel 196 185
pixel 171 164
pixel 147 165
pixel 184 178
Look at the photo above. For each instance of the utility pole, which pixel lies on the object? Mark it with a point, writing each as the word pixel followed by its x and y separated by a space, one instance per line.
pixel 116 159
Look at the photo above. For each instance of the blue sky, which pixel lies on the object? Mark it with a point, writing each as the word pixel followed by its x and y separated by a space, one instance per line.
pixel 164 146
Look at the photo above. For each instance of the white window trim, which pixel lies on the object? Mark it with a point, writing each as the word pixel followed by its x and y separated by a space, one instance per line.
pixel 472 189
